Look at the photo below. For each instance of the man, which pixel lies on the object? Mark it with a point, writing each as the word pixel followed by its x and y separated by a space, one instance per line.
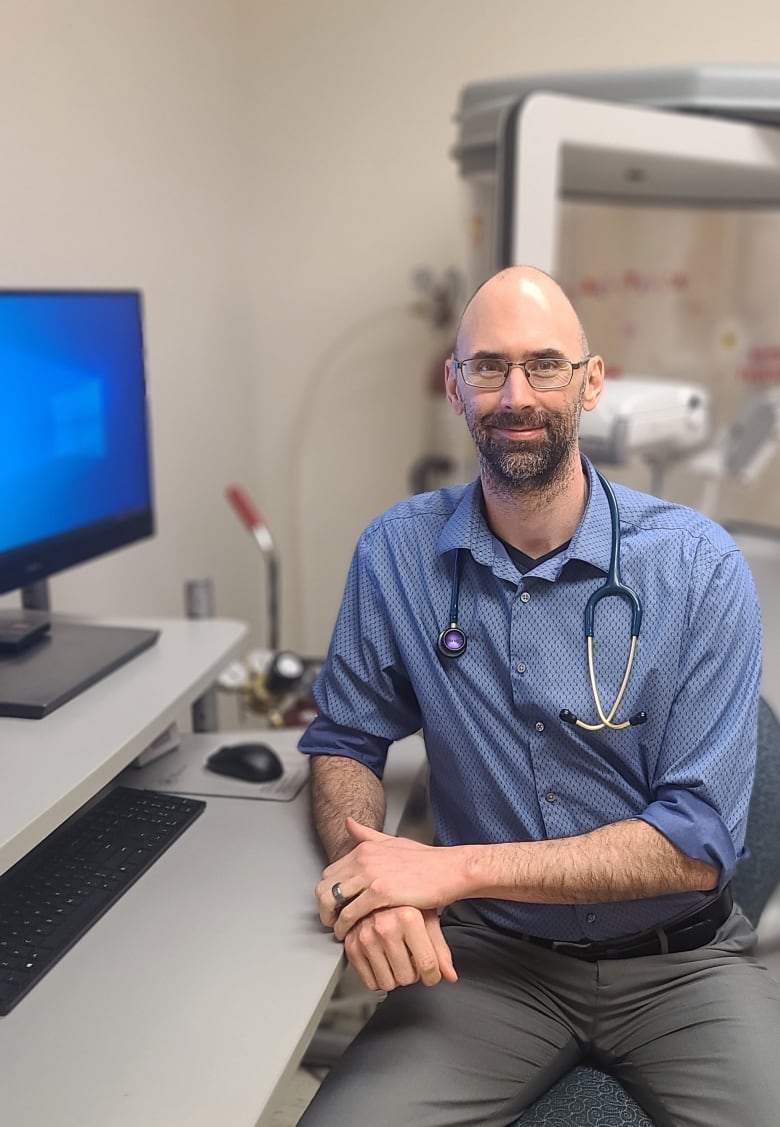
pixel 577 899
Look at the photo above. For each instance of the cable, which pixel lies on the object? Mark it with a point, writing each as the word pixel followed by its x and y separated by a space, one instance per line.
pixel 316 380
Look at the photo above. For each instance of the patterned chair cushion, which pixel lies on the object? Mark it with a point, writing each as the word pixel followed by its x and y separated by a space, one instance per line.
pixel 758 874
pixel 585 1097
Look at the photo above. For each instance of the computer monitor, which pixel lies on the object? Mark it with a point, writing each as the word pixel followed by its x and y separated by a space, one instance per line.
pixel 75 479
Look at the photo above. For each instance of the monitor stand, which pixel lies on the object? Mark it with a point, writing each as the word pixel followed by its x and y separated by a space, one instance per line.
pixel 63 662
pixel 21 628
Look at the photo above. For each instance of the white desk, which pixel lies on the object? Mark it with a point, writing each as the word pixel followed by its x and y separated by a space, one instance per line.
pixel 191 1001
pixel 51 767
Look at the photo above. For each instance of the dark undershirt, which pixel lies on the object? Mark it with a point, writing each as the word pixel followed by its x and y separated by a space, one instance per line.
pixel 525 563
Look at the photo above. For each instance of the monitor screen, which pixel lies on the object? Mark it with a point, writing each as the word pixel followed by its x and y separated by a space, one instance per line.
pixel 75 474
pixel 75 480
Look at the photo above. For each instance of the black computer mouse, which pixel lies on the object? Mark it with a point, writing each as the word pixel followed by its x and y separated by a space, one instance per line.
pixel 252 762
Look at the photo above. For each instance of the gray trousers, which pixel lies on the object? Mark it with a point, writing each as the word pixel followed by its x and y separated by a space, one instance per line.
pixel 694 1037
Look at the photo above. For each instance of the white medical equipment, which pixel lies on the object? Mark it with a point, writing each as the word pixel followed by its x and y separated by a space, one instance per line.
pixel 642 415
pixel 660 421
pixel 741 450
pixel 688 137
pixel 527 144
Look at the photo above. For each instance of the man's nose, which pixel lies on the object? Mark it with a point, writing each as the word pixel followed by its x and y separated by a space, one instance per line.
pixel 517 391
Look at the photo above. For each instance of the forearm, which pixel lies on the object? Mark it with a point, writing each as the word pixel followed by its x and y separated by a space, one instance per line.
pixel 628 860
pixel 341 786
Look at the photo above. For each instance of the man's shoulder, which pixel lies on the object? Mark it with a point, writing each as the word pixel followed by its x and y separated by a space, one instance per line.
pixel 641 514
pixel 419 513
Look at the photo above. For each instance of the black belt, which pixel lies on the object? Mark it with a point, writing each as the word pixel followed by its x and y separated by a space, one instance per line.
pixel 686 934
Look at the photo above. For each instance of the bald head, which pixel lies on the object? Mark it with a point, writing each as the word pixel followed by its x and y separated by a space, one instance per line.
pixel 529 300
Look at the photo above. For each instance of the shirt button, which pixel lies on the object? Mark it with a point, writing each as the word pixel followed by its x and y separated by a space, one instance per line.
pixel 539 726
pixel 525 597
pixel 591 917
pixel 521 668
pixel 551 796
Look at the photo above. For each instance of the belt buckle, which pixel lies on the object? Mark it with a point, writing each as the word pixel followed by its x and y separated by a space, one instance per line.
pixel 561 946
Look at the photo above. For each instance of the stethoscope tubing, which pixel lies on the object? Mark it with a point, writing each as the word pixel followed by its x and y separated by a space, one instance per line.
pixel 452 641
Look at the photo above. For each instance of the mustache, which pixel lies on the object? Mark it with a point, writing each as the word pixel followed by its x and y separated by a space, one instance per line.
pixel 511 420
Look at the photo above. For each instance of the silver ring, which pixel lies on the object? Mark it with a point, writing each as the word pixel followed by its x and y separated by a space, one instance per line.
pixel 338 895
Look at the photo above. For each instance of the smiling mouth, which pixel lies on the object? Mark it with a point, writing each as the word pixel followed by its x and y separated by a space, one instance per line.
pixel 512 430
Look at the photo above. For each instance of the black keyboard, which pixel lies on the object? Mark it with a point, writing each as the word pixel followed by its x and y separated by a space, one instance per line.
pixel 50 898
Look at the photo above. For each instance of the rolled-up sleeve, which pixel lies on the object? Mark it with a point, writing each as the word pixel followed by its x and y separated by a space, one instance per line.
pixel 705 771
pixel 363 692
pixel 323 737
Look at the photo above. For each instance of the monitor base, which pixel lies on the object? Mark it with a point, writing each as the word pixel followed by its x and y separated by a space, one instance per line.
pixel 21 628
pixel 64 662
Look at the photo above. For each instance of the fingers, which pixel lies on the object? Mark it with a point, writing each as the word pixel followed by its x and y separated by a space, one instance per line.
pixel 398 946
pixel 374 872
pixel 380 966
pixel 441 948
pixel 332 896
pixel 360 907
pixel 360 963
pixel 363 833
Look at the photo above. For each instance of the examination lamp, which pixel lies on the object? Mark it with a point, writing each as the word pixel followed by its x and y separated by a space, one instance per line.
pixel 271 681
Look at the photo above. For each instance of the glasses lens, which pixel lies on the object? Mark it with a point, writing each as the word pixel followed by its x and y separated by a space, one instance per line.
pixel 487 372
pixel 548 371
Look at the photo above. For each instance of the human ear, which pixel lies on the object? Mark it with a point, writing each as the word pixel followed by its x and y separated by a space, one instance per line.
pixel 451 388
pixel 594 382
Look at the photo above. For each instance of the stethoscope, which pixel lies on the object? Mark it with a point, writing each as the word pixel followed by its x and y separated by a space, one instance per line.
pixel 452 641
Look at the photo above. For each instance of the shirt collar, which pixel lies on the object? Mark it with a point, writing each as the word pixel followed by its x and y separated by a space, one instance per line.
pixel 591 542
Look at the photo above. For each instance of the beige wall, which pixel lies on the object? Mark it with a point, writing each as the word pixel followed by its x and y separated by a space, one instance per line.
pixel 123 132
pixel 271 174
pixel 358 187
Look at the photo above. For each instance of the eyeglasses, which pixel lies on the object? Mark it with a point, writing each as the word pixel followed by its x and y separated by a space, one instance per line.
pixel 544 373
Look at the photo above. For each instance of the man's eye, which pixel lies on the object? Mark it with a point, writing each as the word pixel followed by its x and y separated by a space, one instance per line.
pixel 546 367
pixel 489 367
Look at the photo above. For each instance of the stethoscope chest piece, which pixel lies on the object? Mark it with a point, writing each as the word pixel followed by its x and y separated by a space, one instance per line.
pixel 452 642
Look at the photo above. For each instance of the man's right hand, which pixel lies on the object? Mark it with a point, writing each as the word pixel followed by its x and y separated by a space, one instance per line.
pixel 398 946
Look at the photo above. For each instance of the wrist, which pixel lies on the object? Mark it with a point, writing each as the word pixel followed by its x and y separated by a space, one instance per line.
pixel 474 872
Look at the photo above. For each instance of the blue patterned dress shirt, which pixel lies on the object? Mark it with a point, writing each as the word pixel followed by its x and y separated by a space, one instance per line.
pixel 503 766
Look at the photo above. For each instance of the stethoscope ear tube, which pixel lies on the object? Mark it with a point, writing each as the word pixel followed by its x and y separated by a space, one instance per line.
pixel 613 585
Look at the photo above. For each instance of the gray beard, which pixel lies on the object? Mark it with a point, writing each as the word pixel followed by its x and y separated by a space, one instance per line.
pixel 510 474
pixel 542 469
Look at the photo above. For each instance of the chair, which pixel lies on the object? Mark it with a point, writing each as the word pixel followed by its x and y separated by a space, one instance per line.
pixel 590 1097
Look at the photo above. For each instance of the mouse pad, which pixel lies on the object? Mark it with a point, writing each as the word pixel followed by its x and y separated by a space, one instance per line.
pixel 183 770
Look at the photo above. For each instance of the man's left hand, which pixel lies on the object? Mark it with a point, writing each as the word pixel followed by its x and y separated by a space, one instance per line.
pixel 382 872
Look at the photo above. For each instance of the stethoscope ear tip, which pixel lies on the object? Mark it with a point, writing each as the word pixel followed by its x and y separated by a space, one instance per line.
pixel 568 717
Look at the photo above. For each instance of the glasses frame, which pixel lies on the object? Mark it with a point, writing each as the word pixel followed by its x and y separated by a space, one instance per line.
pixel 510 364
